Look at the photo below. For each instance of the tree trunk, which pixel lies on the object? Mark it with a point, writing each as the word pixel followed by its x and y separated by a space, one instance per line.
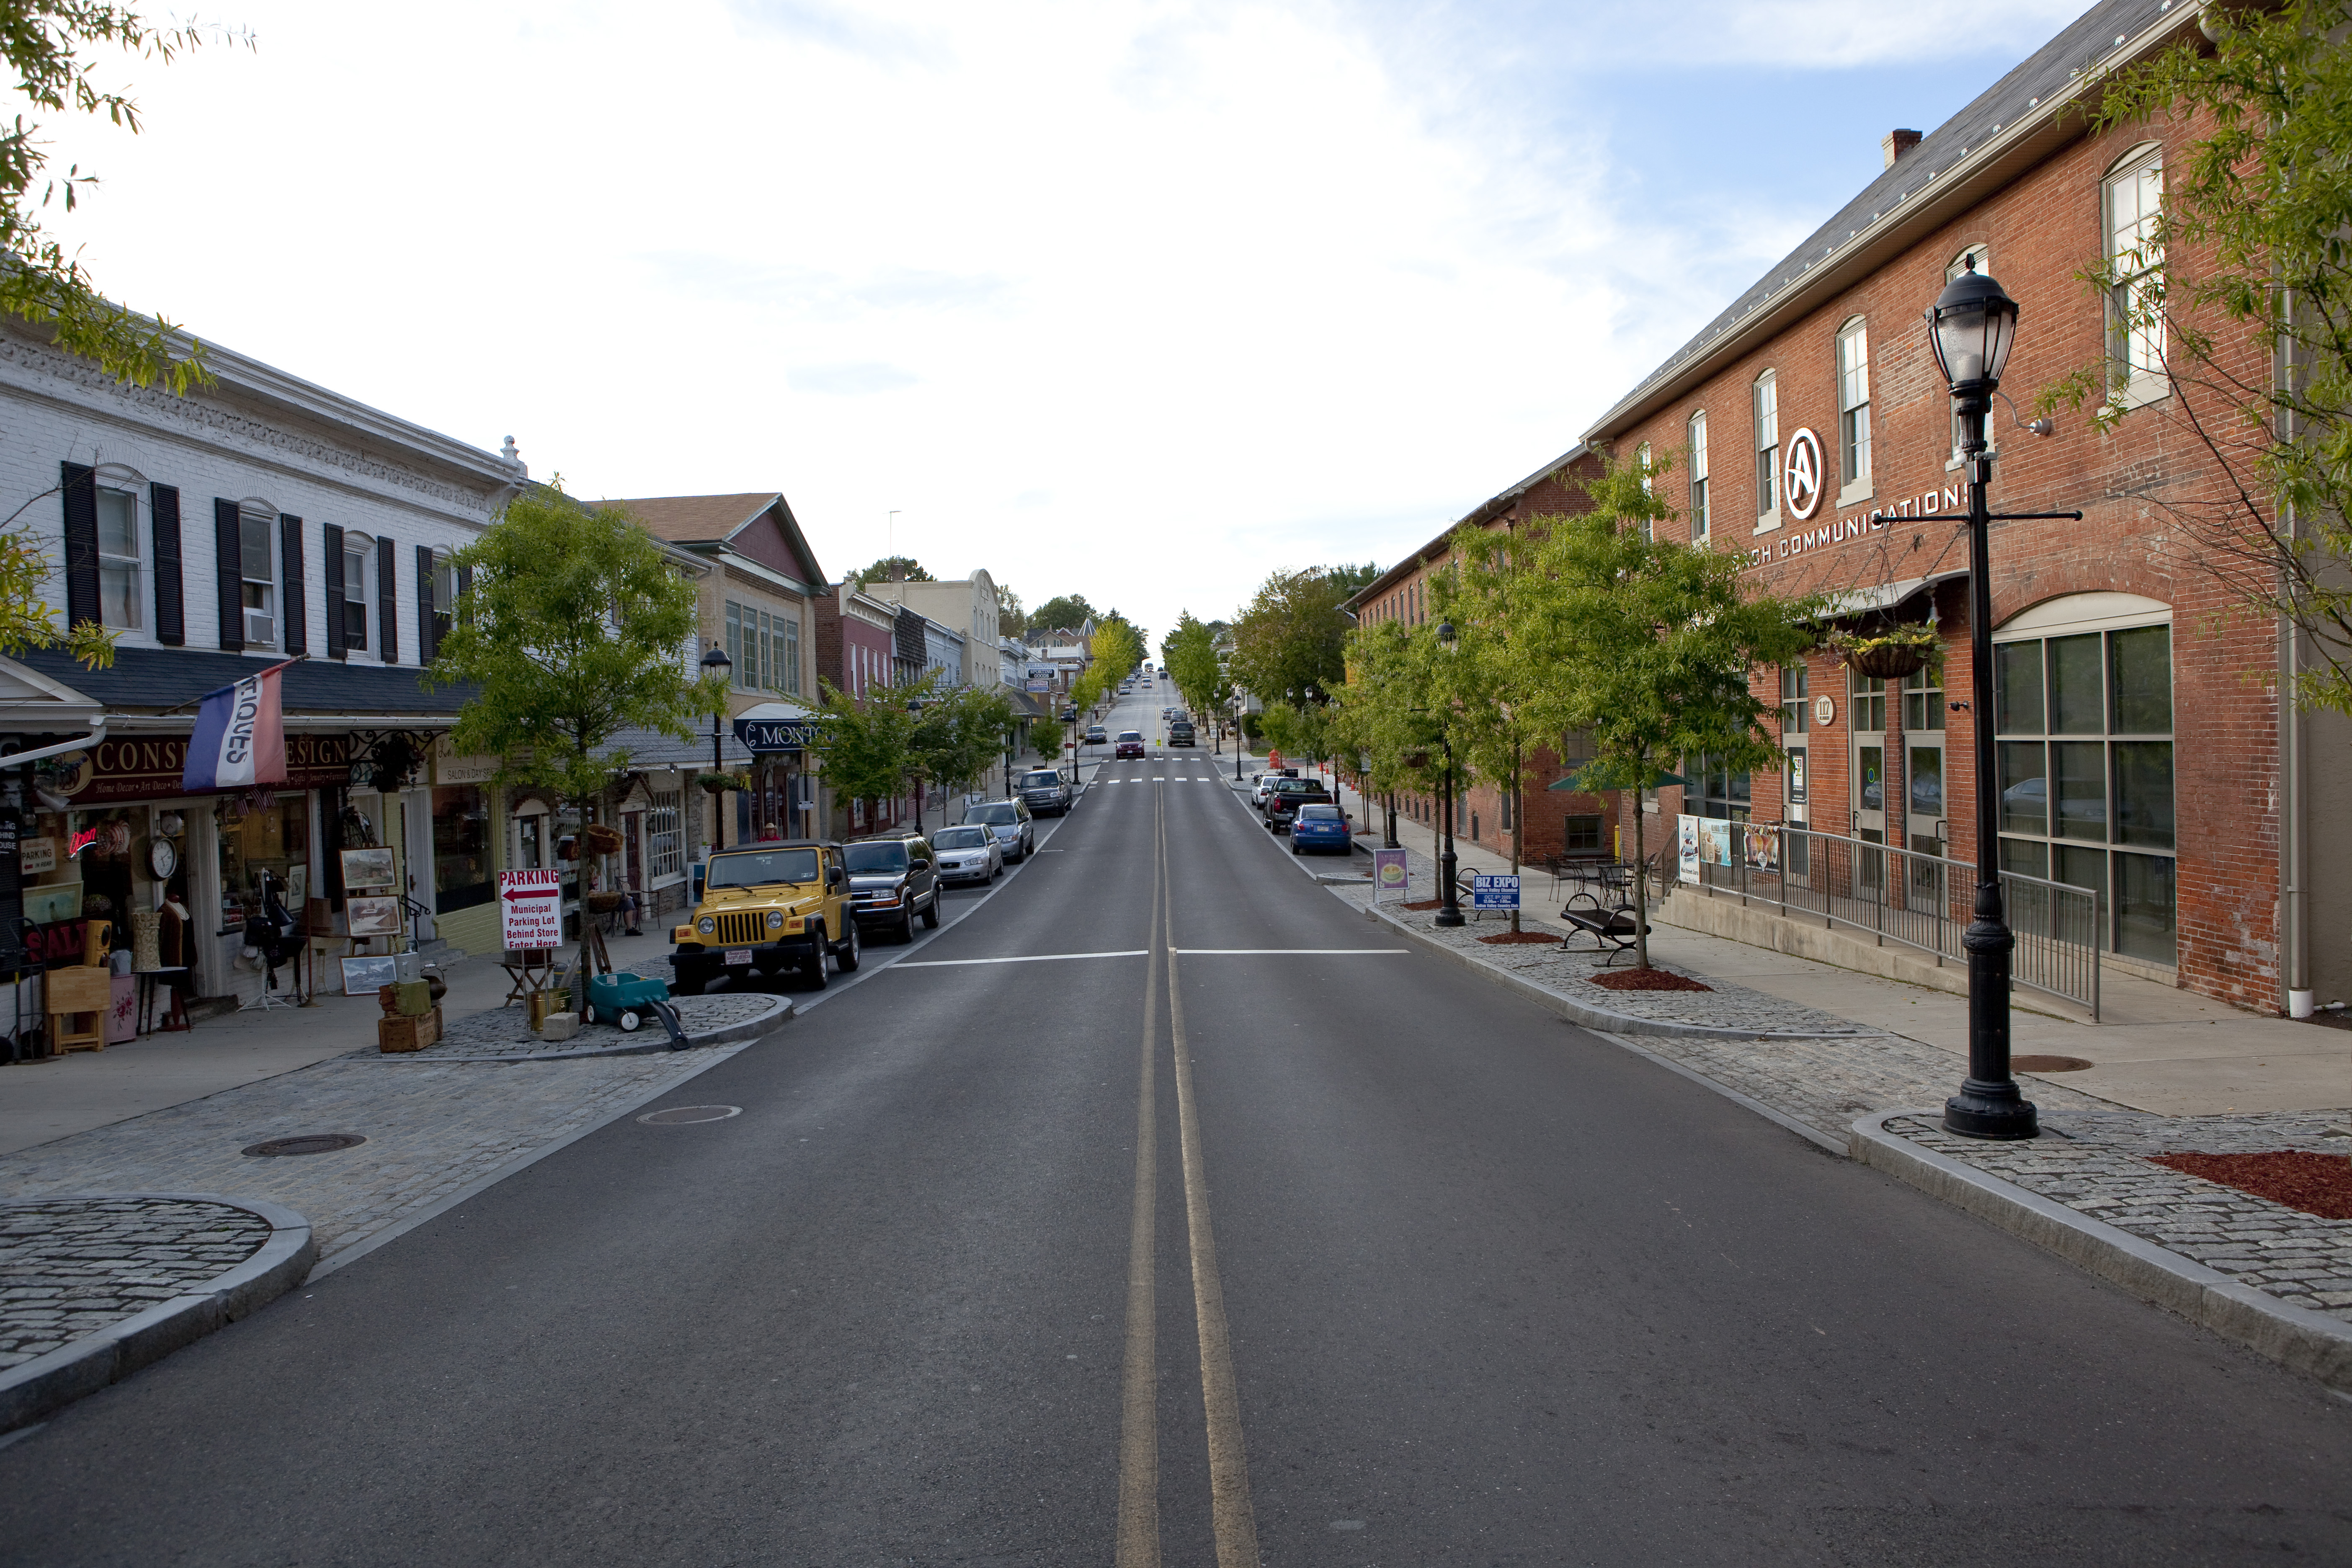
pixel 1518 804
pixel 1641 891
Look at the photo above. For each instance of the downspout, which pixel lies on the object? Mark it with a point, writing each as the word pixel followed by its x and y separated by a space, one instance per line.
pixel 2292 838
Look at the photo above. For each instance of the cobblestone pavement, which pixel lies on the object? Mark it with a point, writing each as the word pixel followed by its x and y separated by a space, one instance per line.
pixel 432 1128
pixel 2095 1163
pixel 506 1031
pixel 72 1267
pixel 1568 971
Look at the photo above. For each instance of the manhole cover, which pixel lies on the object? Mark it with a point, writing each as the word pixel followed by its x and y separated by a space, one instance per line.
pixel 307 1143
pixel 686 1115
pixel 2049 1064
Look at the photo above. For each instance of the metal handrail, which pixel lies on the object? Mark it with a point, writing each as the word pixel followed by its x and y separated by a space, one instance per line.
pixel 1913 900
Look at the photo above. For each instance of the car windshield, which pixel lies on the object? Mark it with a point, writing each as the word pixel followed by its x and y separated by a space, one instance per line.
pixel 754 867
pixel 995 812
pixel 1047 780
pixel 1130 735
pixel 1318 814
pixel 1297 787
pixel 959 838
pixel 868 858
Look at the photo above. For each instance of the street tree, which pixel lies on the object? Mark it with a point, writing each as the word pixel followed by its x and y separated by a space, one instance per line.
pixel 892 568
pixel 1190 653
pixel 2253 240
pixel 1010 620
pixel 1065 612
pixel 1386 716
pixel 960 733
pixel 1647 644
pixel 865 745
pixel 1289 643
pixel 574 627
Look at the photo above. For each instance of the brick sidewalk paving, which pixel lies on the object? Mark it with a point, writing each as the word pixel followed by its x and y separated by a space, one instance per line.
pixel 74 1266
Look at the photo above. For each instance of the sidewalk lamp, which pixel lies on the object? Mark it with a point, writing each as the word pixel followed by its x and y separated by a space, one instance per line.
pixel 1449 906
pixel 1972 326
pixel 716 662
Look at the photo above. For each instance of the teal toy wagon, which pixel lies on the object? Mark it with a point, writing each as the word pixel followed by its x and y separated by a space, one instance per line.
pixel 626 1000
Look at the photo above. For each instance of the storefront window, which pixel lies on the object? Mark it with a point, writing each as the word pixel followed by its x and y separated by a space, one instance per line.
pixel 2094 809
pixel 461 854
pixel 276 840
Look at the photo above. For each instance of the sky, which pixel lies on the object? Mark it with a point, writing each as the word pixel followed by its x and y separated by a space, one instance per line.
pixel 1142 300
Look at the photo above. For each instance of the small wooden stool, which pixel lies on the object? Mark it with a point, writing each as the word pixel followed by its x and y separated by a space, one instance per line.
pixel 75 992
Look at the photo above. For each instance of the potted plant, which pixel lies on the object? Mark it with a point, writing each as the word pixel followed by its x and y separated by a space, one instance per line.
pixel 720 784
pixel 1890 653
pixel 602 838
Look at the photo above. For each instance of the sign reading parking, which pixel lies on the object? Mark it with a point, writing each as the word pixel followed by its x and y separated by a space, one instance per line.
pixel 1494 892
pixel 531 909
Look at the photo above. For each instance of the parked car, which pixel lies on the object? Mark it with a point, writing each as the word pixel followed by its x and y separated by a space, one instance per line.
pixel 1069 715
pixel 1131 743
pixel 967 854
pixel 1180 734
pixel 1287 797
pixel 1262 784
pixel 892 879
pixel 1095 736
pixel 1166 714
pixel 1010 820
pixel 1317 825
pixel 768 910
pixel 1045 792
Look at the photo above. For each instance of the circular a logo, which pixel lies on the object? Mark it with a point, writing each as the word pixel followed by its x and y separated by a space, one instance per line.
pixel 1803 470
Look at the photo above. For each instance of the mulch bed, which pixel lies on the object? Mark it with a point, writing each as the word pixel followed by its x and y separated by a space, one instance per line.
pixel 1425 904
pixel 1646 980
pixel 1505 937
pixel 2316 1184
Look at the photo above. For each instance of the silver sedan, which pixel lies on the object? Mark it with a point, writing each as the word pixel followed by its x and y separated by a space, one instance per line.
pixel 968 855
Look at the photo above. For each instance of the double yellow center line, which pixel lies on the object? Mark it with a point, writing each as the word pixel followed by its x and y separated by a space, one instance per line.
pixel 1233 1522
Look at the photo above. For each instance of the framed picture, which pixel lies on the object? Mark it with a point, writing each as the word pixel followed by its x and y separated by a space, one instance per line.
pixel 367 868
pixel 372 916
pixel 366 976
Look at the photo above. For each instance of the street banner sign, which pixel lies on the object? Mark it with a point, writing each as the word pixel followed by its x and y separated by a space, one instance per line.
pixel 1494 892
pixel 531 909
pixel 1390 874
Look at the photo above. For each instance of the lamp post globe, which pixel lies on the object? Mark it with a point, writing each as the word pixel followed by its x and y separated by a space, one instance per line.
pixel 1449 899
pixel 1972 327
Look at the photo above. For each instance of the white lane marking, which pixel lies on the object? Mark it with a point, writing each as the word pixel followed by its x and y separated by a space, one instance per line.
pixel 1290 950
pixel 1024 958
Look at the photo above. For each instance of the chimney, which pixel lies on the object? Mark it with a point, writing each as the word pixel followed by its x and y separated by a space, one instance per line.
pixel 1894 143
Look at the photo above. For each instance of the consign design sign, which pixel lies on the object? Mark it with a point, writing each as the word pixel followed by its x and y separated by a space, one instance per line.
pixel 153 766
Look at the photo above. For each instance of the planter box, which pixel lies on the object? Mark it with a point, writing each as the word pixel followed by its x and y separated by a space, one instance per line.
pixel 406 1033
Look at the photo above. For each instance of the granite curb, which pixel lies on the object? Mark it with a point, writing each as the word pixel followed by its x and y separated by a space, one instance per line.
pixel 1576 1011
pixel 2295 1337
pixel 651 1043
pixel 49 1382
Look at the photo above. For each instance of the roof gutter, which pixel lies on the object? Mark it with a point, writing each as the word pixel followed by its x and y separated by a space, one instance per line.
pixel 1949 192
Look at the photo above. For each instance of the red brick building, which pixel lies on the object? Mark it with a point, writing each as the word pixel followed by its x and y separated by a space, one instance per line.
pixel 2141 738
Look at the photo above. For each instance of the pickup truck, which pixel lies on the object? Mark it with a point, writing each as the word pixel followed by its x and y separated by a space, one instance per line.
pixel 1288 795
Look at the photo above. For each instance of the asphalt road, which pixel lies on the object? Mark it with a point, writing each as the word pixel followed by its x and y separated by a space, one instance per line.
pixel 1234 1237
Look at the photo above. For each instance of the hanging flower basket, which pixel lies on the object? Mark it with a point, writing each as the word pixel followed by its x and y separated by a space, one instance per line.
pixel 720 784
pixel 602 903
pixel 1889 655
pixel 600 838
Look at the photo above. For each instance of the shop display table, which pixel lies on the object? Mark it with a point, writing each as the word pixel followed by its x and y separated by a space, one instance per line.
pixel 175 1017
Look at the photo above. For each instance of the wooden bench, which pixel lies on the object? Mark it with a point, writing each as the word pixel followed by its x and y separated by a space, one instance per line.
pixel 1617 928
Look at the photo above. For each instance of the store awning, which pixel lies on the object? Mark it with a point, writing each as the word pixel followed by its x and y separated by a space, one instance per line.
pixel 1876 596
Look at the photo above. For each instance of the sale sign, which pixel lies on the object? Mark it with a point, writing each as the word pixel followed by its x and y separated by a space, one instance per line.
pixel 531 909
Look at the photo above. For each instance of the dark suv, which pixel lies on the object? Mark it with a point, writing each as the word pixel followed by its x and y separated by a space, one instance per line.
pixel 892 880
pixel 1288 795
pixel 1180 734
pixel 1045 792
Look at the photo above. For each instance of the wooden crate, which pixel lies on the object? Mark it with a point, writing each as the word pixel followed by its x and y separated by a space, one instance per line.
pixel 395 1032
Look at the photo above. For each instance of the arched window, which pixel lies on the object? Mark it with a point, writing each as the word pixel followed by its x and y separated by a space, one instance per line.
pixel 2082 705
pixel 1766 396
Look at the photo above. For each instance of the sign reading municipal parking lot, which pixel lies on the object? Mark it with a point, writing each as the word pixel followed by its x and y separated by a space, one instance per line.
pixel 1494 892
pixel 531 909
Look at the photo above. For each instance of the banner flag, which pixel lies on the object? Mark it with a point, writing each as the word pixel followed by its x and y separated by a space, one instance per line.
pixel 240 738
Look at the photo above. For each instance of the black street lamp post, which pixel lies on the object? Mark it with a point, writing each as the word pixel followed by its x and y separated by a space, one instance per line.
pixel 716 662
pixel 1971 329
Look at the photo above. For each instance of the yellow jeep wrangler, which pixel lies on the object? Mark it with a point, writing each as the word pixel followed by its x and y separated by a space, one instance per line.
pixel 768 910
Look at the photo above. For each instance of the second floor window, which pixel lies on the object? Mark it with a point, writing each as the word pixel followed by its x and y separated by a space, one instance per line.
pixel 354 607
pixel 1768 449
pixel 1854 404
pixel 117 559
pixel 2134 197
pixel 1698 476
pixel 257 574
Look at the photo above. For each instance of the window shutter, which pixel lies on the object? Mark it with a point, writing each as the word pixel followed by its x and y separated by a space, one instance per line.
pixel 387 597
pixel 228 544
pixel 171 617
pixel 80 487
pixel 296 637
pixel 428 644
pixel 330 540
pixel 465 585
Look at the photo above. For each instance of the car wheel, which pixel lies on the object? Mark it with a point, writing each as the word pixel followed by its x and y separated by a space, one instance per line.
pixel 1295 848
pixel 907 927
pixel 851 952
pixel 814 970
pixel 932 911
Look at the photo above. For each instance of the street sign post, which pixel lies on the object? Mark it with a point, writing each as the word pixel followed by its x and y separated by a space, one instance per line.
pixel 531 909
pixel 1494 892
